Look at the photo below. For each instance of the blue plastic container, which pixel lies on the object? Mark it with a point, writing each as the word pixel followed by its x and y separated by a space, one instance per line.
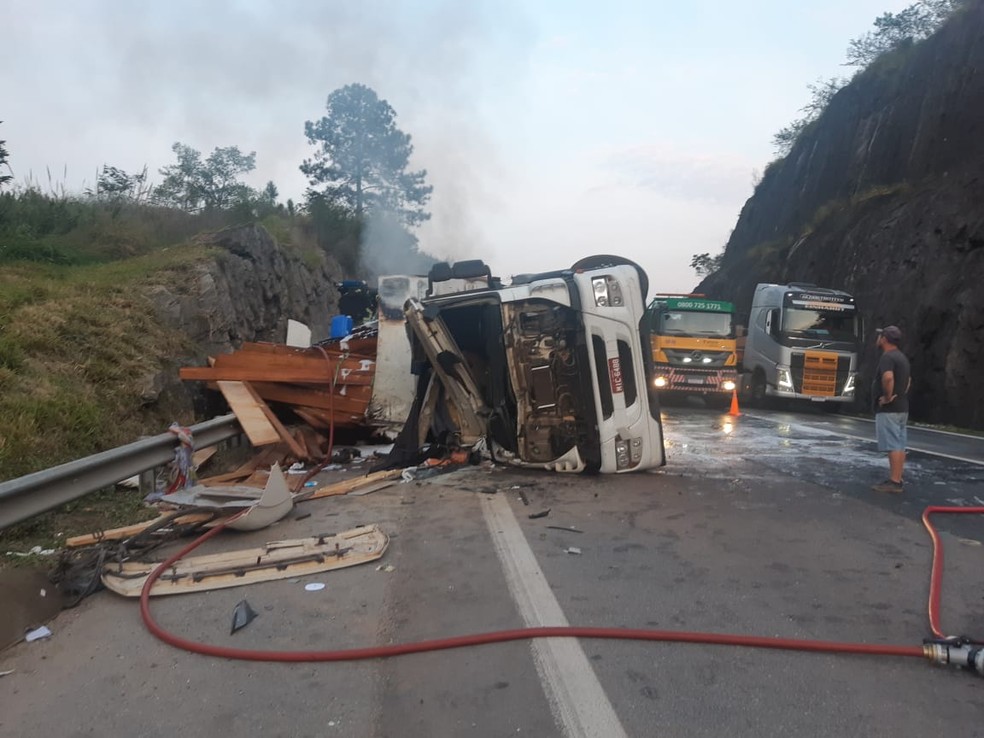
pixel 341 326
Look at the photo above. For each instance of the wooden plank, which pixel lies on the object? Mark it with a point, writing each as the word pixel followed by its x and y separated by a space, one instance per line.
pixel 300 453
pixel 325 418
pixel 367 350
pixel 313 420
pixel 202 455
pixel 343 488
pixel 118 534
pixel 251 417
pixel 308 374
pixel 355 399
pixel 313 441
pixel 342 369
pixel 265 458
pixel 276 560
pixel 373 487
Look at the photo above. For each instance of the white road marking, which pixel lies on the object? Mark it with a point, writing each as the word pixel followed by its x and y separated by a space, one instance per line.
pixel 576 698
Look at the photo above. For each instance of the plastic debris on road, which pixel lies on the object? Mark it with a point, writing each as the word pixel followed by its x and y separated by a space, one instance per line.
pixel 38 633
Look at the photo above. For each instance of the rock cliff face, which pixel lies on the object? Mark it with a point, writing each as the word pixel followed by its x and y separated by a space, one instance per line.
pixel 883 197
pixel 246 294
pixel 249 293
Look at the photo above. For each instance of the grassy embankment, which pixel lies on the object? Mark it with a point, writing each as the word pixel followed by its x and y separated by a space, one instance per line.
pixel 80 341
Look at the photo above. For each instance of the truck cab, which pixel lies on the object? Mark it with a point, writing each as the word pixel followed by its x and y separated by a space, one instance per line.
pixel 802 343
pixel 547 371
pixel 693 345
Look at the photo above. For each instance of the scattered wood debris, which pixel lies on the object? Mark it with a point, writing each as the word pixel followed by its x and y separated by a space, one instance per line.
pixel 275 560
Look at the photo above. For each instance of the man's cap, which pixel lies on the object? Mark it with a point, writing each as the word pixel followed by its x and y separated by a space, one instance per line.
pixel 892 332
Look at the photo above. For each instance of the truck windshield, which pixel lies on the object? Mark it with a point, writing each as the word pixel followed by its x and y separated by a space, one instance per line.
pixel 841 325
pixel 686 323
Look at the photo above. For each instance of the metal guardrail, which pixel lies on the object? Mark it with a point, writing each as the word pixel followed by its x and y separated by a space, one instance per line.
pixel 35 493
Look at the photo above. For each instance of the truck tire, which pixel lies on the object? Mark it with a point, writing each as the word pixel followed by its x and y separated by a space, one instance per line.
pixel 758 397
pixel 717 401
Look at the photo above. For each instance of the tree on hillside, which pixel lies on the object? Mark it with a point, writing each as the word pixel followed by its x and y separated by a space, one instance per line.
pixel 361 158
pixel 892 30
pixel 821 93
pixel 705 264
pixel 4 178
pixel 195 185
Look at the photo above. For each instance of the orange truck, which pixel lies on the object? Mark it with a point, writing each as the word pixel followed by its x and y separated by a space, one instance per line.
pixel 693 346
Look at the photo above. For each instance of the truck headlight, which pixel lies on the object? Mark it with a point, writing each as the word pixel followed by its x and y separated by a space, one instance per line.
pixel 607 291
pixel 621 455
pixel 659 381
pixel 727 385
pixel 849 384
pixel 784 379
pixel 614 292
pixel 628 452
pixel 600 291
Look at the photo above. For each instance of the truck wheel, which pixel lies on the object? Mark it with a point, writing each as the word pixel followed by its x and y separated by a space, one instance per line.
pixel 758 398
pixel 717 401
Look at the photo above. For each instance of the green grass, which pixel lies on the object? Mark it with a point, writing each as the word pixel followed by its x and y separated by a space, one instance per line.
pixel 110 508
pixel 77 345
pixel 80 340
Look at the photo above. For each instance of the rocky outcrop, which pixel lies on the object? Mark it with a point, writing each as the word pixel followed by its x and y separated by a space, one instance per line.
pixel 883 196
pixel 249 292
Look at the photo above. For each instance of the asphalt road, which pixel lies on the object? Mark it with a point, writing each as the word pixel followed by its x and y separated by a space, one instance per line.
pixel 759 525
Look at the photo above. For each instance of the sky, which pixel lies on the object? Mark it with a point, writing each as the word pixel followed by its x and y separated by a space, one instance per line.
pixel 549 129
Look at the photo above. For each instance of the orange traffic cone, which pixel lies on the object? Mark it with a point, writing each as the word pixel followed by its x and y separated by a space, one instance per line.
pixel 734 411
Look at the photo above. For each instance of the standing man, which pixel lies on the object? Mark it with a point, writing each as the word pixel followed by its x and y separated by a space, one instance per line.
pixel 890 393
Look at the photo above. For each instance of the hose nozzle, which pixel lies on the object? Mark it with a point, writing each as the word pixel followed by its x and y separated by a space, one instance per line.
pixel 957 652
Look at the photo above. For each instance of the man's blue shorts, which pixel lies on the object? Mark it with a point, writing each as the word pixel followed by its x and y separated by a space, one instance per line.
pixel 890 430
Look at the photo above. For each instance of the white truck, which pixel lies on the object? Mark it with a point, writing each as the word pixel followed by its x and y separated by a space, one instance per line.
pixel 549 371
pixel 802 343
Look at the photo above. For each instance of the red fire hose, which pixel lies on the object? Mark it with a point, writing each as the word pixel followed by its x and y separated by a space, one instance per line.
pixel 955 652
pixel 936 578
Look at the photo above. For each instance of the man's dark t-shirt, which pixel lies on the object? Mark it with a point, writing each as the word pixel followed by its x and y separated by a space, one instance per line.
pixel 896 362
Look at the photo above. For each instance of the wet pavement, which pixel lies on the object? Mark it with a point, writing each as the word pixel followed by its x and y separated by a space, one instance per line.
pixel 840 454
pixel 758 525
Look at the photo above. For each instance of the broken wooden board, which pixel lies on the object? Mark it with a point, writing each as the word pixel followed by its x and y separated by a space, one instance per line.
pixel 343 488
pixel 364 349
pixel 354 400
pixel 275 367
pixel 275 560
pixel 267 456
pixel 250 415
pixel 319 419
pixel 299 451
pixel 118 534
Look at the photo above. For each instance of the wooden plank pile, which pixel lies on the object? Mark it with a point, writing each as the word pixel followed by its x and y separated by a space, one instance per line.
pixel 325 385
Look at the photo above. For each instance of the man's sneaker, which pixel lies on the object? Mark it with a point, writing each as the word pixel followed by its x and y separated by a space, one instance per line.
pixel 889 486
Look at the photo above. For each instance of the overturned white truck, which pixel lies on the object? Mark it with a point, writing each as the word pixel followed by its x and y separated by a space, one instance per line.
pixel 547 371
